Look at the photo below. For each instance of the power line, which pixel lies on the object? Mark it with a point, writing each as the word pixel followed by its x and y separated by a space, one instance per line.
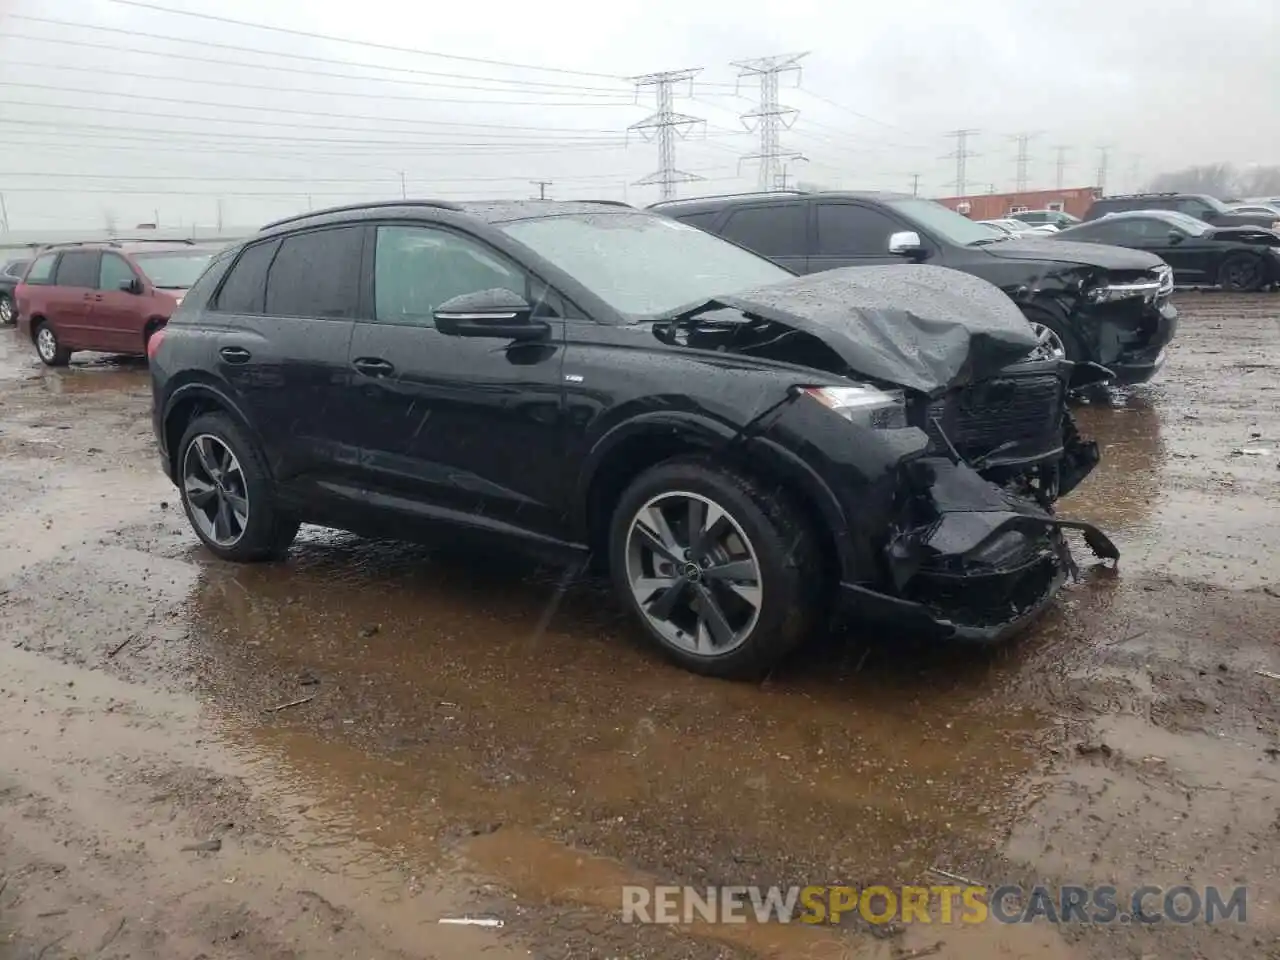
pixel 329 38
pixel 275 88
pixel 1024 142
pixel 281 110
pixel 769 115
pixel 212 44
pixel 665 125
pixel 1061 163
pixel 961 155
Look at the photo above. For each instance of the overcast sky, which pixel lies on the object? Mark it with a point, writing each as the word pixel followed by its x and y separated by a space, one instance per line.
pixel 107 115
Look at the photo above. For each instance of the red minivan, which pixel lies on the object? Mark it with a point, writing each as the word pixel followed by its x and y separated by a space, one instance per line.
pixel 109 296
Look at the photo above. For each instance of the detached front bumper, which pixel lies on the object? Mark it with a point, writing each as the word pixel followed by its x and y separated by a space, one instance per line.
pixel 967 560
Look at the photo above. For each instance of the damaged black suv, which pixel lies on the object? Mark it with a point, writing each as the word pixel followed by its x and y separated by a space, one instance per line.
pixel 738 446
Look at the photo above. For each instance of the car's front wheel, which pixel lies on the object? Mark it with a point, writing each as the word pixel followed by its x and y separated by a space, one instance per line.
pixel 1055 340
pixel 725 577
pixel 228 494
pixel 1242 273
pixel 8 313
pixel 48 349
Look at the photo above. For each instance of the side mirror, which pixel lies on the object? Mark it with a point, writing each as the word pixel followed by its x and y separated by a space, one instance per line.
pixel 131 286
pixel 495 313
pixel 1175 236
pixel 906 243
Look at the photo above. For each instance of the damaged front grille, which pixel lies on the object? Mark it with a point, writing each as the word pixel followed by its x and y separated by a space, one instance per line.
pixel 1023 412
pixel 977 600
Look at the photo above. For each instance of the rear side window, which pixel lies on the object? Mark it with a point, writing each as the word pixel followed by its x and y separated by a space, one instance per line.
pixel 78 269
pixel 773 231
pixel 246 288
pixel 846 229
pixel 317 274
pixel 41 271
pixel 702 221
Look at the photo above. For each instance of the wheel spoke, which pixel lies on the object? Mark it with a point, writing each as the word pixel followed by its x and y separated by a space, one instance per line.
pixel 199 492
pixel 665 605
pixel 239 508
pixel 717 525
pixel 656 533
pixel 696 519
pixel 710 614
pixel 206 457
pixel 222 521
pixel 733 570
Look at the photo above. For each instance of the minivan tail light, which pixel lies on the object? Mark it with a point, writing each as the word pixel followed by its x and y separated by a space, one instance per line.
pixel 153 343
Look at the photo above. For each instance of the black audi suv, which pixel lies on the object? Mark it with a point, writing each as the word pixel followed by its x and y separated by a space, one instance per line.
pixel 738 446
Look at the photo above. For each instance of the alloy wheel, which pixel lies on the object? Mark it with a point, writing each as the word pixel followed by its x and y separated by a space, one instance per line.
pixel 46 344
pixel 214 486
pixel 1050 346
pixel 6 311
pixel 1241 274
pixel 694 573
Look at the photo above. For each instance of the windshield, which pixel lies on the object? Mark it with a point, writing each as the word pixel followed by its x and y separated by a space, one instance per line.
pixel 941 220
pixel 644 265
pixel 173 271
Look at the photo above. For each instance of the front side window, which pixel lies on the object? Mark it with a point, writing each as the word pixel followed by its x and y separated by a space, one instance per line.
pixel 939 220
pixel 317 274
pixel 41 271
pixel 78 269
pixel 114 272
pixel 245 289
pixel 418 268
pixel 644 266
pixel 847 229
pixel 1192 207
pixel 773 231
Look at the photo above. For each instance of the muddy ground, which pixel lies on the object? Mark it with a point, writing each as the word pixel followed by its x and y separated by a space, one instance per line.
pixel 452 758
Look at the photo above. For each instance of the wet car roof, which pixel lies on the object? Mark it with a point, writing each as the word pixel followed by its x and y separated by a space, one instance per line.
pixel 504 211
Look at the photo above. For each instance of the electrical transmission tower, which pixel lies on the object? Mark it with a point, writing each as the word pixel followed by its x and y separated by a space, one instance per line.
pixel 1024 158
pixel 665 126
pixel 542 188
pixel 915 184
pixel 1104 156
pixel 961 155
pixel 769 116
pixel 1062 163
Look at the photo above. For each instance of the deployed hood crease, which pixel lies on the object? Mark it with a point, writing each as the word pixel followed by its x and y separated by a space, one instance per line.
pixel 917 326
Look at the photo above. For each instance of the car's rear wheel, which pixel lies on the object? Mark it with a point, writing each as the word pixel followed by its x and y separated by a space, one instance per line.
pixel 228 494
pixel 725 578
pixel 48 349
pixel 7 311
pixel 1242 273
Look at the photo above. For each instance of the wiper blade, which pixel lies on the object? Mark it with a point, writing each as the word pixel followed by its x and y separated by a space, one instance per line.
pixel 983 241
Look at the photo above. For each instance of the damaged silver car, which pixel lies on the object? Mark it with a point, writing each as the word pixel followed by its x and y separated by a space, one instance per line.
pixel 741 448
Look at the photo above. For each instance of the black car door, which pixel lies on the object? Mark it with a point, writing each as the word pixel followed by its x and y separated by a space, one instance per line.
pixel 284 316
pixel 849 234
pixel 467 429
pixel 779 231
pixel 1190 257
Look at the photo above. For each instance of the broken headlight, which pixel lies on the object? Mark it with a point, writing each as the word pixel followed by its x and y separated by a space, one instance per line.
pixel 1110 292
pixel 863 404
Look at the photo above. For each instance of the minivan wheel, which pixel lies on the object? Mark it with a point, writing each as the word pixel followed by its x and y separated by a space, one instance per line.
pixel 227 492
pixel 726 579
pixel 49 349
pixel 7 313
pixel 1241 273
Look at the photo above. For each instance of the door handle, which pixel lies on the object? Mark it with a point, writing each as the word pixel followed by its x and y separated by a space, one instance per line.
pixel 373 366
pixel 234 354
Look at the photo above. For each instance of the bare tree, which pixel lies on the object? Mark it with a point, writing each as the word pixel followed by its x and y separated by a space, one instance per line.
pixel 1220 180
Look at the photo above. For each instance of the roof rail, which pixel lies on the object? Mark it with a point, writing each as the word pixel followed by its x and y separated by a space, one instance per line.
pixel 118 240
pixel 439 204
pixel 611 203
pixel 730 196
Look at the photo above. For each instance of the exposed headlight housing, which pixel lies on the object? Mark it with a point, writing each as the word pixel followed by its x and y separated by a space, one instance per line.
pixel 863 404
pixel 1111 292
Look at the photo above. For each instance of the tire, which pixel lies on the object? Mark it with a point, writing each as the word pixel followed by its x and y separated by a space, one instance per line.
pixel 751 629
pixel 253 528
pixel 8 311
pixel 50 351
pixel 1242 273
pixel 1050 326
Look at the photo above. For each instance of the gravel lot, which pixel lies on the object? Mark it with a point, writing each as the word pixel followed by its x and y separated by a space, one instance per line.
pixel 453 758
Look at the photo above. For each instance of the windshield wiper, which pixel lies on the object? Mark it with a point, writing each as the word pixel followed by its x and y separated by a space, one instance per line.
pixel 983 241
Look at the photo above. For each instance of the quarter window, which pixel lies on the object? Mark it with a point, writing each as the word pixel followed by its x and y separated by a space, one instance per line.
pixel 777 230
pixel 41 271
pixel 317 274
pixel 113 272
pixel 418 268
pixel 245 290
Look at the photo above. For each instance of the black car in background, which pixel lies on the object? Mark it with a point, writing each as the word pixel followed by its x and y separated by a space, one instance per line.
pixel 1234 258
pixel 1201 206
pixel 1086 303
pixel 11 272
pixel 739 447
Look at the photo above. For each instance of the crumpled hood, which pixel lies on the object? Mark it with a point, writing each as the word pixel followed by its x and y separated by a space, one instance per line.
pixel 917 326
pixel 1067 251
